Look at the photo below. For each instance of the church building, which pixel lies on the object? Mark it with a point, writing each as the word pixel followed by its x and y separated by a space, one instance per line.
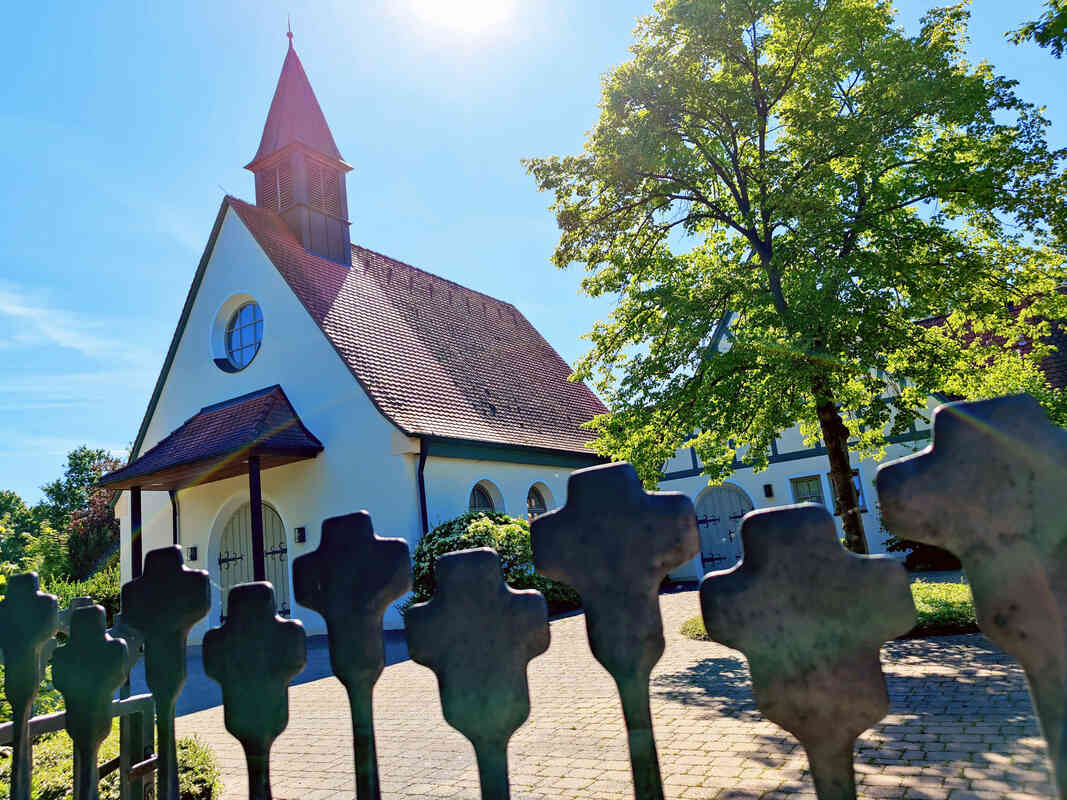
pixel 310 377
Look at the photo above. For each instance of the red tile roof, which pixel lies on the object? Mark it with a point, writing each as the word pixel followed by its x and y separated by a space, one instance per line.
pixel 214 443
pixel 436 358
pixel 1053 365
pixel 295 115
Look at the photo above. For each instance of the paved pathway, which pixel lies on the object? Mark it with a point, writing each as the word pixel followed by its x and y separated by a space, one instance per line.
pixel 961 726
pixel 202 692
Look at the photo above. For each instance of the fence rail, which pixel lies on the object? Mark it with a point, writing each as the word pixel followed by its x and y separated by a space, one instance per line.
pixel 809 617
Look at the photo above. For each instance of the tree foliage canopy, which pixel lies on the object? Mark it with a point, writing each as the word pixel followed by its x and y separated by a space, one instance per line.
pixel 70 530
pixel 1049 30
pixel 775 191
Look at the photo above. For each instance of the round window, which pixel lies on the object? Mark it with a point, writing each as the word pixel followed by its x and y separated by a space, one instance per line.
pixel 244 333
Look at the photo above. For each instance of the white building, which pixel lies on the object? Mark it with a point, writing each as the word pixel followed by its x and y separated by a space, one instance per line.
pixel 797 474
pixel 310 378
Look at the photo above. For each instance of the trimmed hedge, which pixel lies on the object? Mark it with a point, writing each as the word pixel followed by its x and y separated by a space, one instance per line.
pixel 510 537
pixel 941 609
pixel 53 768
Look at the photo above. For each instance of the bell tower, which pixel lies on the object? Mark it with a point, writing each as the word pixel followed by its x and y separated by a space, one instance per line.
pixel 299 171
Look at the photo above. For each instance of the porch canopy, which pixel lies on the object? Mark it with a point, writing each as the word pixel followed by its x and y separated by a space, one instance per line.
pixel 240 436
pixel 216 443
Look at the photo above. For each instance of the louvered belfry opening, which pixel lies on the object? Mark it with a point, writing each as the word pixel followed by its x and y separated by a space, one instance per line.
pixel 299 171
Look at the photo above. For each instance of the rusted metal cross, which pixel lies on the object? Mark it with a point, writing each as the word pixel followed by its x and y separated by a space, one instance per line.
pixel 615 543
pixel 28 621
pixel 87 671
pixel 810 618
pixel 991 489
pixel 478 635
pixel 350 579
pixel 163 604
pixel 253 657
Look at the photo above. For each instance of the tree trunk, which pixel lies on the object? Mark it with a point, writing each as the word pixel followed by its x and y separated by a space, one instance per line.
pixel 835 436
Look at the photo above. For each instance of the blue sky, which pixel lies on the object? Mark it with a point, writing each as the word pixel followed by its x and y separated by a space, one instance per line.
pixel 123 124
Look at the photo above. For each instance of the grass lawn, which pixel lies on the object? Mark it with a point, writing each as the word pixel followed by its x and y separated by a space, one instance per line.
pixel 940 609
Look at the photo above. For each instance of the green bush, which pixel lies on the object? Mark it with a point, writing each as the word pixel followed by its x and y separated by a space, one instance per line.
pixel 693 628
pixel 940 609
pixel 922 557
pixel 198 772
pixel 510 537
pixel 48 697
pixel 943 608
pixel 103 587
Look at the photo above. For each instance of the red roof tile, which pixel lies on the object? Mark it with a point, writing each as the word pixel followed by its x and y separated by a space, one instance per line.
pixel 295 115
pixel 436 358
pixel 1053 365
pixel 218 439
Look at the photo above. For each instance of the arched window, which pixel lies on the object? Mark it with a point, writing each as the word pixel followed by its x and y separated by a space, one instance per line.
pixel 480 500
pixel 535 503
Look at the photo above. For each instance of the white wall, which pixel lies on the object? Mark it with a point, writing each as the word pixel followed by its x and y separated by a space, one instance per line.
pixel 449 482
pixel 359 467
pixel 778 475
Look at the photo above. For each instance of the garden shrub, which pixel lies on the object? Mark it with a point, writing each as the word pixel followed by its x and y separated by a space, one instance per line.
pixel 104 587
pixel 53 771
pixel 510 537
pixel 941 609
pixel 922 557
pixel 693 628
pixel 48 697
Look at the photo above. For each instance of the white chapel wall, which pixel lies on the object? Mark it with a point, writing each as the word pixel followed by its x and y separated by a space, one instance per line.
pixel 358 468
pixel 449 482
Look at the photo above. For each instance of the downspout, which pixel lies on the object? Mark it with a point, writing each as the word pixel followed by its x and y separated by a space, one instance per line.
pixel 424 450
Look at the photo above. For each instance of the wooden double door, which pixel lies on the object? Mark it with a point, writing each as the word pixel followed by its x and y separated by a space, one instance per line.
pixel 235 555
pixel 719 511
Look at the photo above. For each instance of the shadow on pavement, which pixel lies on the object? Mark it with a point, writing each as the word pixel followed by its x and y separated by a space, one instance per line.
pixel 201 692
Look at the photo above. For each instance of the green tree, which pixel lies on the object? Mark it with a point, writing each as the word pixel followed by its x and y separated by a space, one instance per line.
pixel 12 506
pixel 80 513
pixel 16 519
pixel 1049 30
pixel 69 494
pixel 775 191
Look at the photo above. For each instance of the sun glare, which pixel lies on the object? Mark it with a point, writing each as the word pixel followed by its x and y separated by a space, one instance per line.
pixel 465 16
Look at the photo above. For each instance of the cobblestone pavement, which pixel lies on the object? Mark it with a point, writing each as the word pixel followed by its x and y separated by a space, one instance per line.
pixel 961 726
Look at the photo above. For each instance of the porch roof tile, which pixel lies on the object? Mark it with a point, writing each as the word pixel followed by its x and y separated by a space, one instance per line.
pixel 215 443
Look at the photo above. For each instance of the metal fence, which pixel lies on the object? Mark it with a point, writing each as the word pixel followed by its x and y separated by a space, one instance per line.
pixel 809 616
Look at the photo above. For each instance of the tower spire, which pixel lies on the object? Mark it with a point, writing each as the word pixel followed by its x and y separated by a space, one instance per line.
pixel 299 171
pixel 289 23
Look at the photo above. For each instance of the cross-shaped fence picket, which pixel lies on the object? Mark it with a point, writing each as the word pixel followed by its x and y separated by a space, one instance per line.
pixel 809 617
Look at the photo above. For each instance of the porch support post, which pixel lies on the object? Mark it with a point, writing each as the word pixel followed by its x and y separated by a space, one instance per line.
pixel 255 494
pixel 136 553
pixel 174 516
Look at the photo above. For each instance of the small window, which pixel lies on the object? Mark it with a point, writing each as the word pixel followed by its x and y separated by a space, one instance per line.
pixel 807 489
pixel 480 500
pixel 861 504
pixel 244 333
pixel 535 503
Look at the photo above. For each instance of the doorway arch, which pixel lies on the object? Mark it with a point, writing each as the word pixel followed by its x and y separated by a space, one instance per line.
pixel 719 511
pixel 235 556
